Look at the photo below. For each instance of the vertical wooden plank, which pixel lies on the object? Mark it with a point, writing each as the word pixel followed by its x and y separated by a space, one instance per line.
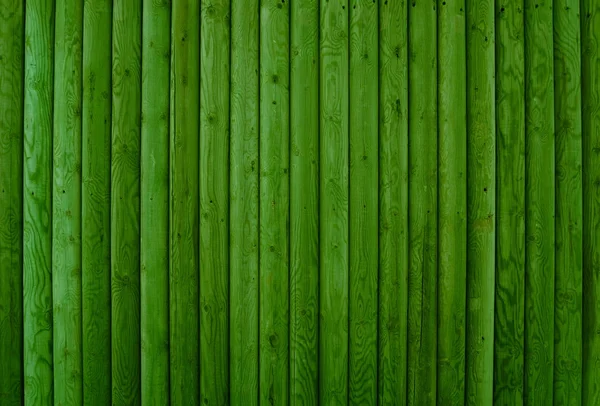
pixel 154 205
pixel 590 85
pixel 37 202
pixel 66 204
pixel 214 202
pixel 274 202
pixel 539 217
pixel 95 201
pixel 393 202
pixel 509 310
pixel 184 206
pixel 364 119
pixel 422 205
pixel 481 201
pixel 452 201
pixel 304 202
pixel 12 51
pixel 333 201
pixel 125 201
pixel 569 250
pixel 243 235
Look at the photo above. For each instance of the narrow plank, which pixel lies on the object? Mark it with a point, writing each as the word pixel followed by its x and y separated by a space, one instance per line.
pixel 274 202
pixel 393 202
pixel 95 201
pixel 540 193
pixel 509 322
pixel 66 205
pixel 333 201
pixel 184 304
pixel 568 223
pixel 590 85
pixel 214 202
pixel 422 204
pixel 452 202
pixel 481 207
pixel 12 51
pixel 304 202
pixel 154 205
pixel 243 204
pixel 364 205
pixel 125 201
pixel 37 203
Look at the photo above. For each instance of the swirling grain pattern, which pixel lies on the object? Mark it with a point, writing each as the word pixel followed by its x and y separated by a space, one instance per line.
pixel 509 322
pixel 12 24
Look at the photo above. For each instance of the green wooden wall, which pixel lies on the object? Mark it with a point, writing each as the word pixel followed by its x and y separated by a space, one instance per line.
pixel 300 202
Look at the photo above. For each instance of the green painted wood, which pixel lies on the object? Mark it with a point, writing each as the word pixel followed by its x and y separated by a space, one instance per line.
pixel 184 303
pixel 66 205
pixel 243 204
pixel 509 322
pixel 333 201
pixel 214 202
pixel 452 203
pixel 37 202
pixel 304 202
pixel 590 91
pixel 154 205
pixel 393 202
pixel 422 204
pixel 540 204
pixel 364 148
pixel 12 28
pixel 481 207
pixel 568 220
pixel 95 201
pixel 274 202
pixel 125 202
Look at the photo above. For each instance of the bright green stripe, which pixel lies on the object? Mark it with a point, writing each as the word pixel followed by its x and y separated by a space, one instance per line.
pixel 154 228
pixel 214 203
pixel 66 205
pixel 12 24
pixel 37 203
pixel 243 237
pixel 304 203
pixel 569 250
pixel 510 239
pixel 333 203
pixel 184 304
pixel 422 184
pixel 393 202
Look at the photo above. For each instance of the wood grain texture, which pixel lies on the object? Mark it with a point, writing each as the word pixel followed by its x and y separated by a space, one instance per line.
pixel 154 205
pixel 422 204
pixel 214 202
pixel 243 204
pixel 452 203
pixel 393 202
pixel 590 85
pixel 481 208
pixel 539 198
pixel 568 223
pixel 37 203
pixel 125 201
pixel 364 207
pixel 304 202
pixel 184 304
pixel 333 201
pixel 12 28
pixel 66 204
pixel 95 201
pixel 274 202
pixel 509 322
